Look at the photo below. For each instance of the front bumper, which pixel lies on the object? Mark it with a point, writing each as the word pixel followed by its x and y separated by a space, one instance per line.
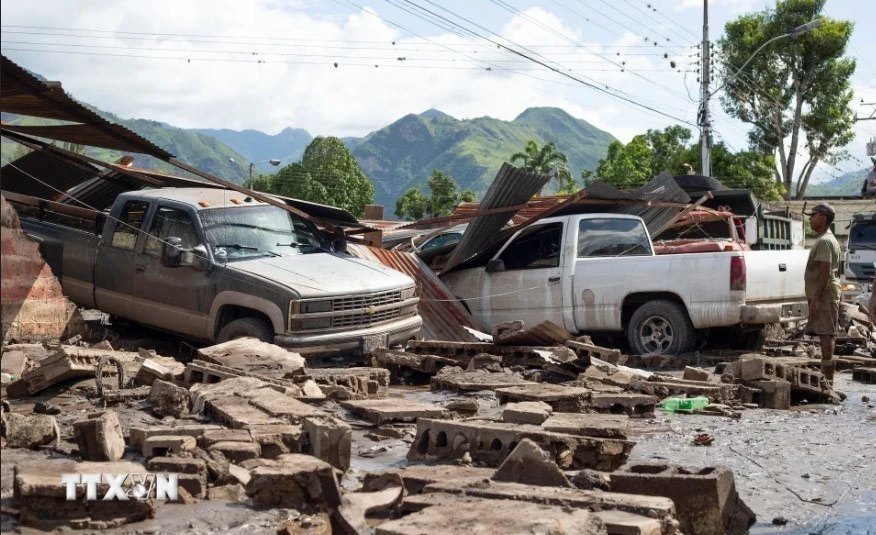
pixel 774 313
pixel 351 342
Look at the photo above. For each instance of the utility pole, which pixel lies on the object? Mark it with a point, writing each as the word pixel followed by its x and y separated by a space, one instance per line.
pixel 705 125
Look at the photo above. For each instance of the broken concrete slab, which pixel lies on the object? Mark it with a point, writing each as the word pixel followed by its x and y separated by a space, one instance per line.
pixel 329 439
pixel 200 372
pixel 237 452
pixel 633 405
pixel 277 439
pixel 99 436
pixel 416 476
pixel 772 394
pixel 456 379
pixel 138 435
pixel 589 425
pixel 162 445
pixel 30 430
pixel 705 498
pixel 294 481
pixel 527 412
pixel 381 411
pixel 167 399
pixel 586 350
pixel 14 363
pixel 467 515
pixel 348 383
pixel 191 473
pixel 398 362
pixel 545 334
pixel 695 374
pixel 281 405
pixel 508 328
pixel 530 465
pixel 491 442
pixel 561 398
pixel 150 370
pixel 68 362
pixel 233 493
pixel 224 435
pixel 251 355
pixel 41 497
pixel 117 397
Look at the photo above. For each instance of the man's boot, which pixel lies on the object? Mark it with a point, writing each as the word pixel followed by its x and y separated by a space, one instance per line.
pixel 827 369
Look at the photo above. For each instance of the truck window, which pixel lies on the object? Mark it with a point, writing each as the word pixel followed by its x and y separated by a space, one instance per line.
pixel 612 237
pixel 536 247
pixel 170 222
pixel 128 226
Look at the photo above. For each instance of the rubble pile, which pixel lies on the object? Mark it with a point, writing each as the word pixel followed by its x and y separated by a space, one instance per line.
pixel 246 422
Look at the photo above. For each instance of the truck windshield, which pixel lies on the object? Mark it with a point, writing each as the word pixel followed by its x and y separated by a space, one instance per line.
pixel 863 236
pixel 255 231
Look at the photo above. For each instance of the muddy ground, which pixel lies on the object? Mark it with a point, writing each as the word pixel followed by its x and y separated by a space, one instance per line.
pixel 813 467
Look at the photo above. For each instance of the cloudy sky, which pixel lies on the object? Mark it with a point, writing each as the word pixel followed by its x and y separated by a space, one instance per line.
pixel 348 67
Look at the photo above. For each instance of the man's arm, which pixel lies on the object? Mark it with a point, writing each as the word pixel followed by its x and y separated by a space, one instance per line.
pixel 821 283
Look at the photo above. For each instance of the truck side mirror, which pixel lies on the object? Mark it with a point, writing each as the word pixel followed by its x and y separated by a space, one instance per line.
pixel 171 254
pixel 199 257
pixel 339 241
pixel 495 266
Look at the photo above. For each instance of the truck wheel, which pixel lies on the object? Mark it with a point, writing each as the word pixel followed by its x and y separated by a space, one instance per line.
pixel 246 327
pixel 660 328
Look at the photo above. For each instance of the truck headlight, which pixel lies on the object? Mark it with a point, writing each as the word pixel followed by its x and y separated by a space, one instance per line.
pixel 409 293
pixel 851 287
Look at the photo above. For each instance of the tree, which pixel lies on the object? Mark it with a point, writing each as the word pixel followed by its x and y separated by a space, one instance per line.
pixel 414 204
pixel 327 174
pixel 649 154
pixel 542 160
pixel 795 88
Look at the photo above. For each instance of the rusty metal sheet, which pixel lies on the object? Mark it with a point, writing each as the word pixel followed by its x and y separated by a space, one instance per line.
pixel 444 318
pixel 24 94
pixel 511 187
pixel 545 333
pixel 45 175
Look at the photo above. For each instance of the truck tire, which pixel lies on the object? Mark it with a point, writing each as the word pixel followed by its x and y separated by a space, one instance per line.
pixel 660 328
pixel 246 327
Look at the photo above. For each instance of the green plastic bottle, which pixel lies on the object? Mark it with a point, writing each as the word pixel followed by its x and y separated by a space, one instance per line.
pixel 684 404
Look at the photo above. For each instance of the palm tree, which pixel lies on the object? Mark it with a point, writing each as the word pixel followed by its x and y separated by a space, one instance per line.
pixel 542 160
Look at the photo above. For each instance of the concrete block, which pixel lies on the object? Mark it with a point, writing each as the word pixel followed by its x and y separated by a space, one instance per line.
pixel 236 412
pixel 13 362
pixel 280 405
pixel 530 465
pixel 561 398
pixel 277 439
pixel 224 435
pixel 348 383
pixel 588 425
pixel 273 362
pixel 178 465
pixel 705 498
pixel 99 436
pixel 381 411
pixel 137 435
pixel 150 371
pixel 456 379
pixel 237 452
pixel 633 405
pixel 695 374
pixel 233 493
pixel 161 445
pixel 864 375
pixel 30 430
pixel 294 481
pixel 527 412
pixel 167 399
pixel 329 439
pixel 491 442
pixel 772 394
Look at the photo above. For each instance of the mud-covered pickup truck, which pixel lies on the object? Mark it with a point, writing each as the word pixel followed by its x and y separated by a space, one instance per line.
pixel 599 274
pixel 214 265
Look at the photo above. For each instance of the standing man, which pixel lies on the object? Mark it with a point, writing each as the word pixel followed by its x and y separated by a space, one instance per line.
pixel 823 286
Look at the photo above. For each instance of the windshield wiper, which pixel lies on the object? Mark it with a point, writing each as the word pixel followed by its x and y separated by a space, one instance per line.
pixel 239 246
pixel 292 244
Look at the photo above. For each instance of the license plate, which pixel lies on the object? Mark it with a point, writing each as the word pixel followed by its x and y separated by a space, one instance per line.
pixel 373 342
pixel 857 257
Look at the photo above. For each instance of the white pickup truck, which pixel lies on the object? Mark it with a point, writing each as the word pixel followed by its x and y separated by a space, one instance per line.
pixel 598 273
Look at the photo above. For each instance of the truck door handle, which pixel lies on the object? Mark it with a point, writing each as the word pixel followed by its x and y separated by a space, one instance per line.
pixel 783 268
pixel 140 267
pixel 554 279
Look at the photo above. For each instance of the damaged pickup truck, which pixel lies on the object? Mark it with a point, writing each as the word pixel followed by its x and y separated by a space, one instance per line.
pixel 599 274
pixel 214 265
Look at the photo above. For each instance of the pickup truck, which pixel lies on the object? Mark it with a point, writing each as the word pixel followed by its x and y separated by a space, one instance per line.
pixel 214 265
pixel 599 274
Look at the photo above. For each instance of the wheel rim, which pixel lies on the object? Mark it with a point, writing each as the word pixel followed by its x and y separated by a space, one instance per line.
pixel 656 334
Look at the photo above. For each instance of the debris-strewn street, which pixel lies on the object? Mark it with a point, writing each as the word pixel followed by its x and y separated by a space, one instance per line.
pixel 439 437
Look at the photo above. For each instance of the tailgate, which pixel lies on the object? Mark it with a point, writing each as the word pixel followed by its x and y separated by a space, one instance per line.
pixel 775 275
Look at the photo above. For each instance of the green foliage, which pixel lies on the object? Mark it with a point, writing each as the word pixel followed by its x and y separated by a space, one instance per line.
pixel 414 204
pixel 747 170
pixel 795 88
pixel 327 174
pixel 545 159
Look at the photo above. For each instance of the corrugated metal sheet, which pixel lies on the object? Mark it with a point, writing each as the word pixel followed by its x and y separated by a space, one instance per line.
pixel 511 187
pixel 544 334
pixel 24 94
pixel 443 316
pixel 58 173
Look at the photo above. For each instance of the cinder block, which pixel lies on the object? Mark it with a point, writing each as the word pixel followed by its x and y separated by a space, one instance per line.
pixel 773 394
pixel 328 439
pixel 99 436
pixel 237 452
pixel 225 435
pixel 161 445
pixel 695 374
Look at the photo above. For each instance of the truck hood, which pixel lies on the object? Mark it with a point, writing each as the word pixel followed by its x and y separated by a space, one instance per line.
pixel 325 274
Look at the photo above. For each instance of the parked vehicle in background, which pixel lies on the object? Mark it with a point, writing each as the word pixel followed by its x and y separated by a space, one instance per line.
pixel 599 274
pixel 214 265
pixel 860 261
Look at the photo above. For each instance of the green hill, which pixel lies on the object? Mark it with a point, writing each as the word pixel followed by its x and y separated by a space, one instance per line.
pixel 403 154
pixel 846 185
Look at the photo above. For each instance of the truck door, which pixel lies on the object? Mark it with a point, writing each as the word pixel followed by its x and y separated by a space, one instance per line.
pixel 172 298
pixel 114 264
pixel 530 287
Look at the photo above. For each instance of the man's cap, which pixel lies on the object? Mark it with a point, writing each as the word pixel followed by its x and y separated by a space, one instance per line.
pixel 824 208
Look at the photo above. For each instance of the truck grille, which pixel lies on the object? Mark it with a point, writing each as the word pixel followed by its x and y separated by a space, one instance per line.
pixel 365 301
pixel 356 320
